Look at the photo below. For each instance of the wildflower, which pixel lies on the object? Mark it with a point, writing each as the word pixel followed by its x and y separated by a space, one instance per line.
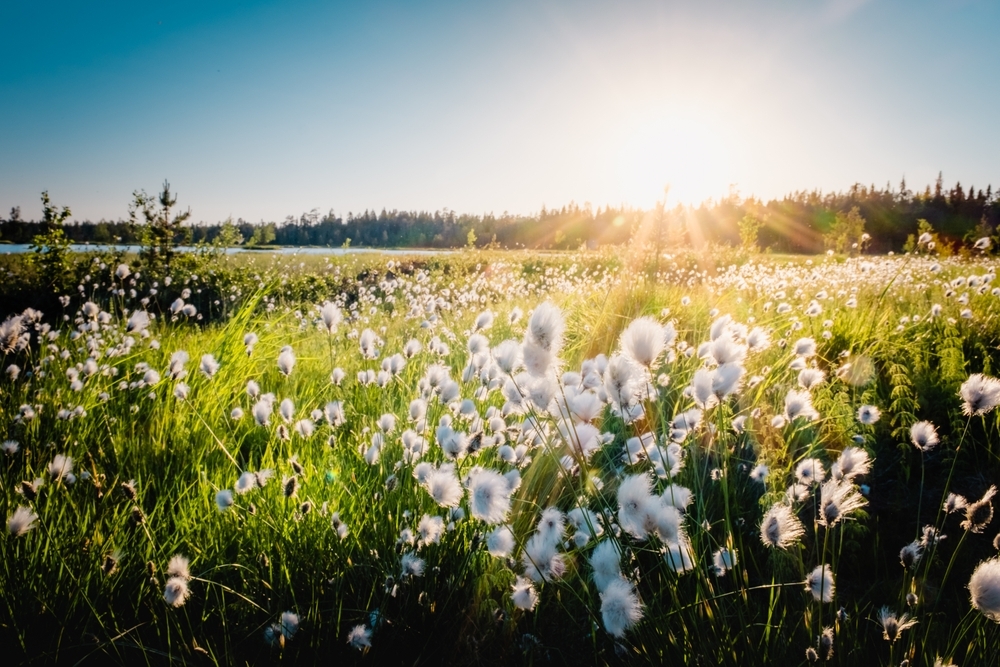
pixel 980 394
pixel 489 497
pixel 820 583
pixel 262 412
pixel 224 500
pixel 954 502
pixel 21 521
pixel 979 514
pixel 811 377
pixel 838 498
pixel 643 341
pixel 910 555
pixel 359 637
pixel 605 563
pixel 825 645
pixel 444 487
pixel 286 360
pixel 780 528
pixel 331 317
pixel 634 498
pixel 799 404
pixel 810 471
pixel 483 321
pixel 620 607
pixel 412 565
pixel 759 473
pixel 893 626
pixel 129 491
pixel 430 529
pixel 10 447
pixel 507 356
pixel 289 486
pixel 209 366
pixel 176 591
pixel 983 243
pixel 924 436
pixel 678 557
pixel 868 414
pixel 853 462
pixel 701 389
pixel 540 560
pixel 984 587
pixel 804 347
pixel 723 560
pixel 61 469
pixel 246 482
pixel 524 595
pixel 500 542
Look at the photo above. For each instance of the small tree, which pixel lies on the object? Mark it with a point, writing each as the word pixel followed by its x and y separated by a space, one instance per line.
pixel 158 234
pixel 846 231
pixel 749 225
pixel 51 248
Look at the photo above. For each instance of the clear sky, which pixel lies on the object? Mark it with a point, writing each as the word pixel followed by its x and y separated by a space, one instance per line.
pixel 260 109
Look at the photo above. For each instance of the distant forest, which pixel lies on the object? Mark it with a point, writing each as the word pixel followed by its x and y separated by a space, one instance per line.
pixel 796 223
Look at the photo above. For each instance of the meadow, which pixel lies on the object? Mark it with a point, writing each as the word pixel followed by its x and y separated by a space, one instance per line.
pixel 605 457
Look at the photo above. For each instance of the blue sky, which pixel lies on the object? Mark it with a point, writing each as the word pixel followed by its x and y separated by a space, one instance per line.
pixel 263 109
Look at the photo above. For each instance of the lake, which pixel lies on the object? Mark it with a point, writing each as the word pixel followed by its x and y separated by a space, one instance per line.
pixel 21 248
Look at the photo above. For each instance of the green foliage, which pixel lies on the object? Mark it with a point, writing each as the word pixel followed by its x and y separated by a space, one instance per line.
pixel 51 249
pixel 845 234
pixel 750 225
pixel 160 230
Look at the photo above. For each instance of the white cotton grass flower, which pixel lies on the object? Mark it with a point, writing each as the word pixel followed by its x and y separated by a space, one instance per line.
pixel 780 528
pixel 60 469
pixel 954 503
pixel 723 560
pixel 810 471
pixel 868 414
pixel 430 529
pixel 331 317
pixel 247 482
pixel 179 566
pixel 286 360
pixel 759 473
pixel 262 412
pixel 980 394
pixel 545 327
pixel 489 497
pixel 605 563
pixel 483 321
pixel 507 356
pixel 892 625
pixel 524 595
pixel 811 377
pixel 620 607
pixel 412 565
pixel 209 366
pixel 798 404
pixel 540 559
pixel 444 487
pixel 176 591
pixel 702 390
pixel 224 500
pixel 21 521
pixel 984 588
pixel 924 436
pixel 853 462
pixel 643 341
pixel 838 498
pixel 360 638
pixel 820 583
pixel 979 514
pixel 500 542
pixel 804 347
pixel 677 556
pixel 10 447
pixel 287 410
pixel 634 500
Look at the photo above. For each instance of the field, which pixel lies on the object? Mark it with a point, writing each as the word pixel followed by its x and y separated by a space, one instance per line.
pixel 502 458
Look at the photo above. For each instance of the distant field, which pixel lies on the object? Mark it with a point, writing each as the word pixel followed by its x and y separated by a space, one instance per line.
pixel 611 457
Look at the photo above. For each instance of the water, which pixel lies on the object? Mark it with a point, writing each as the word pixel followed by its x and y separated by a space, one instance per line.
pixel 21 248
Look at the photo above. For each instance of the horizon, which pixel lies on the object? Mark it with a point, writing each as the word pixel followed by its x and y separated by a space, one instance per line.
pixel 257 110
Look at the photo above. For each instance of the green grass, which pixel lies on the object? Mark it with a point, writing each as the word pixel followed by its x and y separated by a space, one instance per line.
pixel 267 554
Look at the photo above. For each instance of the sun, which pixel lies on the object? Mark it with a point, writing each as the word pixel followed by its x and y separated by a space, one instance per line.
pixel 670 148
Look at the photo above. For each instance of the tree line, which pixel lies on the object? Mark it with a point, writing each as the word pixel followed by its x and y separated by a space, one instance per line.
pixel 800 222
